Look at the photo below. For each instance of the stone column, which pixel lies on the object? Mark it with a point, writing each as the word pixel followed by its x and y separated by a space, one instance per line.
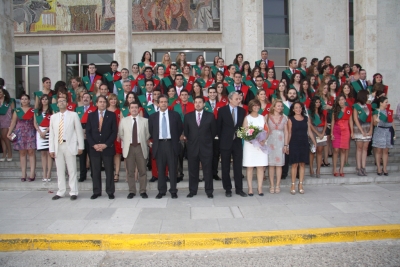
pixel 123 33
pixel 7 66
pixel 318 29
pixel 252 30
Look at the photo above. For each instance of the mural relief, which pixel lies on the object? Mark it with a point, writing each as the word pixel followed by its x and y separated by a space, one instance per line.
pixel 80 16
pixel 175 15
pixel 58 16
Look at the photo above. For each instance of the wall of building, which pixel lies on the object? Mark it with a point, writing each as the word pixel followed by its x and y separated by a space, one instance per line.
pixel 7 65
pixel 318 29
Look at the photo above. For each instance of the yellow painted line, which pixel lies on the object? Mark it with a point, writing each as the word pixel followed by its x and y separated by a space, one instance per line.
pixel 21 242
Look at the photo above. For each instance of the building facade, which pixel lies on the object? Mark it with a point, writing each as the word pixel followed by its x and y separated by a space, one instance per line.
pixel 59 38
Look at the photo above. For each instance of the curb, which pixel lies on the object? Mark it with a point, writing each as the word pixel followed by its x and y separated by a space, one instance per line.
pixel 79 242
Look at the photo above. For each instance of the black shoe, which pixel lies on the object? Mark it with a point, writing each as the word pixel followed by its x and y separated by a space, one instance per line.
pixel 174 195
pixel 190 195
pixel 102 168
pixel 201 180
pixel 167 179
pixel 250 194
pixel 210 196
pixel 241 193
pixel 386 173
pixel 153 179
pixel 56 197
pixel 73 197
pixel 130 195
pixel 159 196
pixel 149 167
pixel 111 196
pixel 179 179
pixel 81 180
pixel 228 193
pixel 284 176
pixel 216 178
pixel 144 195
pixel 94 196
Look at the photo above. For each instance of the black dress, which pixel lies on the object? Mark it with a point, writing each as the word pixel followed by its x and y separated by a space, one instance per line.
pixel 298 145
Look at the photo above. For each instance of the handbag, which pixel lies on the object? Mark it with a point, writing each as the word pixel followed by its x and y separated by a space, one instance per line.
pixel 323 139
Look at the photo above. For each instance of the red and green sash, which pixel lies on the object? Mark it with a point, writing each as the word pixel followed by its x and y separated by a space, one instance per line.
pixel 25 116
pixel 39 94
pixel 266 110
pixel 362 115
pixel 197 69
pixel 207 107
pixel 143 100
pixel 4 108
pixel 316 119
pixel 357 86
pixel 188 84
pixel 168 81
pixel 110 78
pixel 171 101
pixel 125 111
pixel 302 72
pixel 383 117
pixel 149 109
pixel 90 86
pixel 304 99
pixel 346 115
pixel 288 73
pixel 142 85
pixel 350 101
pixel 83 116
pixel 71 95
pixel 141 64
pixel 229 80
pixel 42 121
pixel 178 108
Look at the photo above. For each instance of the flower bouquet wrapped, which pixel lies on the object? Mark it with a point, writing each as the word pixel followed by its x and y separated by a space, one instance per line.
pixel 255 135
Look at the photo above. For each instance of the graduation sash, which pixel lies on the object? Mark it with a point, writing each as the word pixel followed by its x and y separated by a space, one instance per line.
pixel 288 73
pixel 71 95
pixel 316 119
pixel 42 121
pixel 39 94
pixel 167 81
pixel 357 86
pixel 346 115
pixel 253 89
pixel 197 69
pixel 4 108
pixel 270 63
pixel 266 110
pixel 243 88
pixel 25 116
pixel 141 64
pixel 110 78
pixel 171 101
pixel 229 80
pixel 83 116
pixel 150 109
pixel 302 72
pixel 90 86
pixel 350 101
pixel 286 110
pixel 143 100
pixel 188 84
pixel 383 117
pixel 362 115
pixel 207 107
pixel 304 99
pixel 178 108
pixel 125 111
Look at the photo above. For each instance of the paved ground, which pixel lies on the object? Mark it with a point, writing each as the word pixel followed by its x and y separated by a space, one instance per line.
pixel 321 206
pixel 373 253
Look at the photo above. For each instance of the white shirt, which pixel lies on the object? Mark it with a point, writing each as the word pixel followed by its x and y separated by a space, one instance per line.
pixel 160 125
pixel 213 103
pixel 178 90
pixel 151 97
pixel 137 125
pixel 65 117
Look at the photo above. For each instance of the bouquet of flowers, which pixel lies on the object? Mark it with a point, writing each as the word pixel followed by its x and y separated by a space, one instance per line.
pixel 254 135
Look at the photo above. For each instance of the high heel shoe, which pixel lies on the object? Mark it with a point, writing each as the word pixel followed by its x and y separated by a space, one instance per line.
pixel 293 192
pixel 301 191
pixel 364 172
pixel 318 174
pixel 277 190
pixel 32 179
pixel 271 190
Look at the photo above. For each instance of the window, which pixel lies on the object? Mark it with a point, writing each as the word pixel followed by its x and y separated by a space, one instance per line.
pixel 191 55
pixel 351 32
pixel 77 63
pixel 26 74
pixel 280 56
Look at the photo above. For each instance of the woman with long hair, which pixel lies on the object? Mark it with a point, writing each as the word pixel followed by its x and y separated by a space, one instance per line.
pixel 80 91
pixel 302 67
pixel 171 92
pixel 355 72
pixel 342 131
pixel 362 115
pixel 339 76
pixel 166 63
pixel 197 91
pixel 113 100
pixel 263 69
pixel 181 61
pixel 324 74
pixel 246 71
pixel 254 157
pixel 146 62
pixel 277 144
pixel 200 63
pixel 75 82
pixel 295 81
pixel 265 104
pixel 222 93
pixel 304 96
pixel 42 124
pixel 25 139
pixel 46 90
pixel 384 134
pixel 327 62
pixel 281 92
pixel 272 83
pixel 346 70
pixel 327 103
pixel 7 105
pixel 130 97
pixel 377 83
pixel 318 118
pixel 238 61
pixel 205 78
pixel 333 89
pixel 298 131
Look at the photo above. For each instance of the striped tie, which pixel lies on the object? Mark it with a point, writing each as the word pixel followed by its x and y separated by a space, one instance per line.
pixel 61 130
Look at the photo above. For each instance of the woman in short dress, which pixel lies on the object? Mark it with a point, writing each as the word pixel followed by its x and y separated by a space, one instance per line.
pixel 318 118
pixel 362 116
pixel 113 100
pixel 7 105
pixel 298 130
pixel 384 134
pixel 254 157
pixel 22 121
pixel 277 144
pixel 42 124
pixel 342 131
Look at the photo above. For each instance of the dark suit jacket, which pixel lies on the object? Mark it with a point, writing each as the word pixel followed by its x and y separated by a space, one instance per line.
pixel 175 128
pixel 110 85
pixel 200 138
pixel 108 134
pixel 225 127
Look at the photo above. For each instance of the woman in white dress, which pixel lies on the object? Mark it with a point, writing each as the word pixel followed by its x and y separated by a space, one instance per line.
pixel 252 156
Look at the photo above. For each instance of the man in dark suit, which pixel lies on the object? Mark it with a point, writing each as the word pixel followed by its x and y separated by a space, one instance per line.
pixel 165 127
pixel 287 74
pixel 230 119
pixel 110 78
pixel 101 132
pixel 200 129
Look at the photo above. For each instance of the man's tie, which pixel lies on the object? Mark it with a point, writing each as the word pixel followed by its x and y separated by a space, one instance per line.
pixel 148 97
pixel 101 120
pixel 233 116
pixel 365 87
pixel 134 133
pixel 164 132
pixel 85 108
pixel 198 118
pixel 213 105
pixel 184 109
pixel 237 87
pixel 61 130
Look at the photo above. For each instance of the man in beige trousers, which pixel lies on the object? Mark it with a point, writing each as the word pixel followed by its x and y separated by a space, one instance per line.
pixel 134 133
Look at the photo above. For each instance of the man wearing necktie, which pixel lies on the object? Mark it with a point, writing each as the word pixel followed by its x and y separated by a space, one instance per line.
pixel 264 57
pixel 200 129
pixel 363 77
pixel 101 132
pixel 212 100
pixel 287 74
pixel 165 129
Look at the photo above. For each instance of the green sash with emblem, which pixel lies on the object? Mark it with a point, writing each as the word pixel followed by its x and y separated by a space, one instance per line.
pixel 178 108
pixel 167 82
pixel 4 108
pixel 197 69
pixel 288 73
pixel 362 115
pixel 357 86
pixel 207 107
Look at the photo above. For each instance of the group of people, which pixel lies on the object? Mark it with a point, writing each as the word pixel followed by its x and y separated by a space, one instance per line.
pixel 161 113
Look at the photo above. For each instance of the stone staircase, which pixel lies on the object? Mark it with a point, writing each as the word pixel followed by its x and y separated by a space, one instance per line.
pixel 10 174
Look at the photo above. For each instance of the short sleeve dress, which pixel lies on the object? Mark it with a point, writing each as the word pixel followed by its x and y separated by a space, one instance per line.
pixel 276 141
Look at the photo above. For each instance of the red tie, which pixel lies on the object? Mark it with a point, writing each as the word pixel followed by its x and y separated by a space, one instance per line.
pixel 148 97
pixel 184 109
